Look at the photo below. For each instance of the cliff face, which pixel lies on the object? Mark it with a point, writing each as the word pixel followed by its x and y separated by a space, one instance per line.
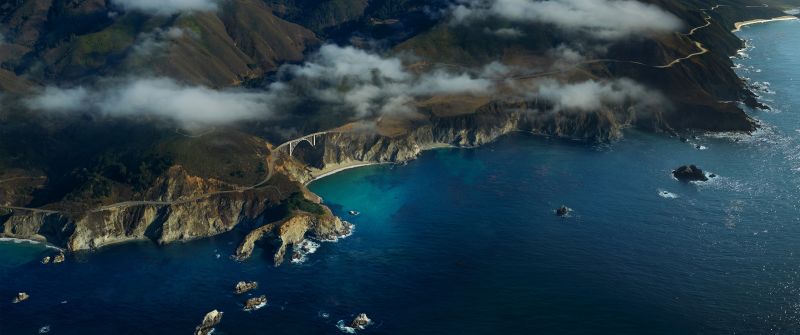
pixel 175 215
pixel 490 122
pixel 293 230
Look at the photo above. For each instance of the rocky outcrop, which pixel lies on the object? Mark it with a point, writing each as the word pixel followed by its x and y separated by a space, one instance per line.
pixel 182 208
pixel 689 173
pixel 255 303
pixel 58 258
pixel 244 287
pixel 562 211
pixel 360 322
pixel 55 228
pixel 21 296
pixel 291 231
pixel 211 319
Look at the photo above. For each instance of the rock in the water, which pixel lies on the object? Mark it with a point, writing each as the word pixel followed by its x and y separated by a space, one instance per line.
pixel 46 260
pixel 21 296
pixel 360 322
pixel 354 213
pixel 58 258
pixel 689 173
pixel 244 287
pixel 562 211
pixel 255 303
pixel 211 319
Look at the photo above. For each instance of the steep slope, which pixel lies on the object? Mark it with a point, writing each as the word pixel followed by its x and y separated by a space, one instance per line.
pixel 61 41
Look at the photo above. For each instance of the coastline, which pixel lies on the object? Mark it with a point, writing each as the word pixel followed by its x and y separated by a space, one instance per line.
pixel 332 169
pixel 15 240
pixel 739 25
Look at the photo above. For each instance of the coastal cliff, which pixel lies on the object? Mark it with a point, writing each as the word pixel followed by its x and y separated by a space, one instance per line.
pixel 345 149
pixel 84 202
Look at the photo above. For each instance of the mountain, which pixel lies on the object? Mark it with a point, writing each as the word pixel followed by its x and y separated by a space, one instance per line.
pixel 124 121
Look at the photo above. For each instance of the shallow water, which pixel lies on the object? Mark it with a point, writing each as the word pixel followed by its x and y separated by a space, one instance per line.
pixel 466 242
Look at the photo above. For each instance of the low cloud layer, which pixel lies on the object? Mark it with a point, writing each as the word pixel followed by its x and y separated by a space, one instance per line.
pixel 347 81
pixel 159 97
pixel 593 95
pixel 156 41
pixel 370 84
pixel 167 7
pixel 602 19
pixel 359 83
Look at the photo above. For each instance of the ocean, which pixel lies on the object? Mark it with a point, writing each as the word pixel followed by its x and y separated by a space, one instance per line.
pixel 465 241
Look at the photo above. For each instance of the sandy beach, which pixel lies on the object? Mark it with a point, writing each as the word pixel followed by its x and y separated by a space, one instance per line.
pixel 332 169
pixel 739 25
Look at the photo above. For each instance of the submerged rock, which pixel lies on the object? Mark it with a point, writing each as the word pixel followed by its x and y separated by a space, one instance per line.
pixel 688 173
pixel 244 287
pixel 255 303
pixel 211 319
pixel 360 322
pixel 46 260
pixel 354 213
pixel 563 210
pixel 21 296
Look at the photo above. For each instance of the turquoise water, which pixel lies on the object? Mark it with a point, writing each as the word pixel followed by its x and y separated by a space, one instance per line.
pixel 465 242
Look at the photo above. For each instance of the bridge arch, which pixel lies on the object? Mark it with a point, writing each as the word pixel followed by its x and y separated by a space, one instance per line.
pixel 312 140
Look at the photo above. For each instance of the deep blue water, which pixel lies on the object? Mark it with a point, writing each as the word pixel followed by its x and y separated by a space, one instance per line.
pixel 465 242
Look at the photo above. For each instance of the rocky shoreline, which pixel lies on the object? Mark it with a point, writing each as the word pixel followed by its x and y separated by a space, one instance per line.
pixel 224 212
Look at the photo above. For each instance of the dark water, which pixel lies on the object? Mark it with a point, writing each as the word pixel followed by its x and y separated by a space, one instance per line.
pixel 465 242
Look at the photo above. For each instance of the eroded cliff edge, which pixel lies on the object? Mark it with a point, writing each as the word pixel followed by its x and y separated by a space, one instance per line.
pixel 181 206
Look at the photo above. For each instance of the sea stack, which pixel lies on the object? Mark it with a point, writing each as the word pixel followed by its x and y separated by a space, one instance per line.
pixel 244 287
pixel 211 319
pixel 255 303
pixel 21 296
pixel 46 260
pixel 360 322
pixel 689 173
pixel 58 258
pixel 562 211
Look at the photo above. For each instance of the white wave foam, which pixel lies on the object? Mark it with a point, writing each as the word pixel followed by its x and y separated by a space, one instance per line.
pixel 794 11
pixel 44 329
pixel 256 307
pixel 323 315
pixel 345 328
pixel 667 194
pixel 21 241
pixel 301 251
pixel 345 235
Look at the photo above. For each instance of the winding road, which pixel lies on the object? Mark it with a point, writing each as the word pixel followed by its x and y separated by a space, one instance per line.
pixel 125 204
pixel 702 50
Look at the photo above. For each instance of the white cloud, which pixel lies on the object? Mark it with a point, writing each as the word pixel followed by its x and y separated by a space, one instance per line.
pixel 156 41
pixel 337 63
pixel 593 95
pixel 161 97
pixel 355 81
pixel 505 32
pixel 167 7
pixel 60 99
pixel 603 19
pixel 370 84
